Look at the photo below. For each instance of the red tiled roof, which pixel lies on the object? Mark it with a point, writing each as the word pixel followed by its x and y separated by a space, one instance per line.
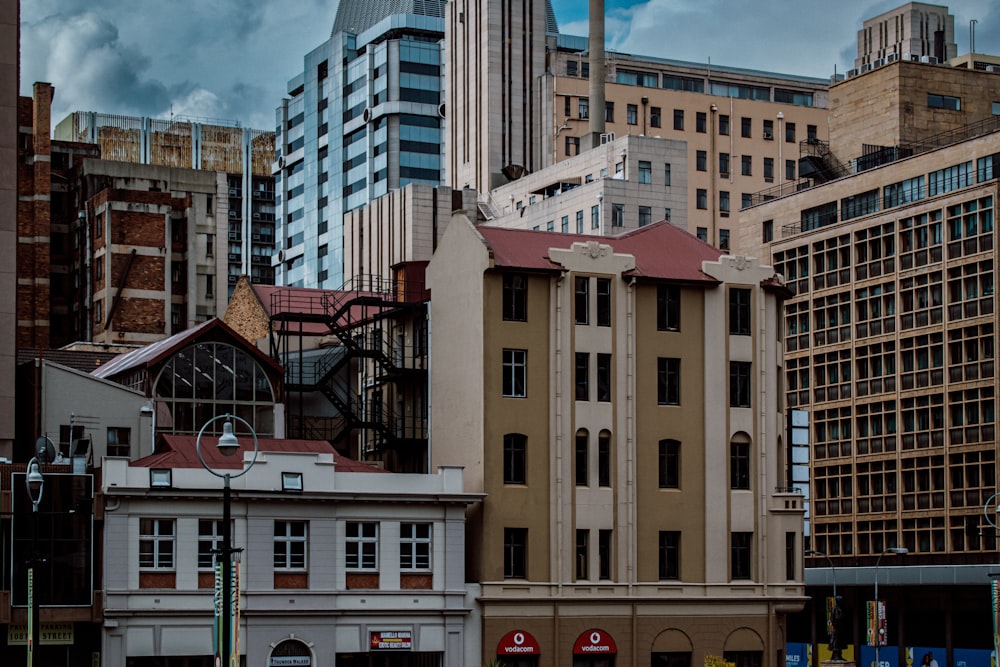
pixel 661 250
pixel 180 451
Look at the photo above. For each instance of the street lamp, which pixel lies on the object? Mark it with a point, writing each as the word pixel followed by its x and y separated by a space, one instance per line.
pixel 34 482
pixel 875 612
pixel 227 446
pixel 835 614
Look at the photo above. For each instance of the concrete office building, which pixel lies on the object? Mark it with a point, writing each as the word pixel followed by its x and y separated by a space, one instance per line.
pixel 619 409
pixel 889 344
pixel 364 117
pixel 916 30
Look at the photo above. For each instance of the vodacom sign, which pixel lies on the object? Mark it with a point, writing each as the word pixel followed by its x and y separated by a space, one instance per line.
pixel 594 641
pixel 518 642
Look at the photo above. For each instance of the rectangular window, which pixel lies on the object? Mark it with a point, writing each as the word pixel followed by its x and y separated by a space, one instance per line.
pixel 581 461
pixel 790 556
pixel 289 545
pixel 572 145
pixel 668 381
pixel 769 169
pixel 790 132
pixel 604 553
pixel 768 231
pixel 209 542
pixel 678 119
pixel 583 376
pixel 583 108
pixel 515 553
pixel 515 458
pixel 595 216
pixel 723 239
pixel 739 311
pixel 701 160
pixel 645 215
pixel 415 546
pixel 119 441
pixel 515 372
pixel 701 196
pixel 654 116
pixel 700 121
pixel 156 544
pixel 604 302
pixel 742 551
pixel 944 102
pixel 582 549
pixel 668 308
pixel 702 234
pixel 746 200
pixel 724 164
pixel 645 171
pixel 582 300
pixel 618 215
pixel 604 377
pixel 768 130
pixel 579 222
pixel 361 546
pixel 604 458
pixel 670 464
pixel 670 554
pixel 811 135
pixel 739 465
pixel 723 201
pixel 789 170
pixel 632 114
pixel 745 125
pixel 564 224
pixel 515 298
pixel 739 384
pixel 724 125
pixel 746 165
pixel 609 112
pixel 666 174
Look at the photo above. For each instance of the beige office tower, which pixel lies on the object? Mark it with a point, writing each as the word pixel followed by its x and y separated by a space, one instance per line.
pixel 912 31
pixel 495 53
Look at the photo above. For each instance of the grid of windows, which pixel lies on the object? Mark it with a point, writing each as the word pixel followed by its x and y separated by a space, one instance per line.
pixel 361 545
pixel 833 488
pixel 156 544
pixel 414 546
pixel 289 545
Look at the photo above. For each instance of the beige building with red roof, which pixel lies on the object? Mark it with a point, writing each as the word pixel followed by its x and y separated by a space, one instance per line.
pixel 617 402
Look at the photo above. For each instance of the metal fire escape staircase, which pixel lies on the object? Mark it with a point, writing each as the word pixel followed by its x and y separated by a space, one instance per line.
pixel 356 316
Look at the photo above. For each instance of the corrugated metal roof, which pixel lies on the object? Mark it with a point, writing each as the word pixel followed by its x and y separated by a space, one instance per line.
pixel 180 451
pixel 661 250
pixel 81 360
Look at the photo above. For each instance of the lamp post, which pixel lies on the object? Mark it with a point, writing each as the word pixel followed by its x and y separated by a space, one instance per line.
pixel 34 482
pixel 227 446
pixel 835 614
pixel 878 627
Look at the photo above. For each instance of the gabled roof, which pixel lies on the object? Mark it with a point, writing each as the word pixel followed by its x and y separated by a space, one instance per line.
pixel 81 360
pixel 661 250
pixel 159 351
pixel 180 451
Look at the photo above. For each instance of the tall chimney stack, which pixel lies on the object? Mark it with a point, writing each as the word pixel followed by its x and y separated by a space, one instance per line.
pixel 597 74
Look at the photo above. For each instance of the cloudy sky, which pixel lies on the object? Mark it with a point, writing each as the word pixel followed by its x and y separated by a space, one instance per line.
pixel 231 59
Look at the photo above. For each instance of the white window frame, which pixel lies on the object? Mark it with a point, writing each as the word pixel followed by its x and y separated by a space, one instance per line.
pixel 415 541
pixel 289 541
pixel 213 540
pixel 361 546
pixel 164 542
pixel 515 364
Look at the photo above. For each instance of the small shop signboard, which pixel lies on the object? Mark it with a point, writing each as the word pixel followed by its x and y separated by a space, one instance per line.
pixel 595 642
pixel 391 640
pixel 518 642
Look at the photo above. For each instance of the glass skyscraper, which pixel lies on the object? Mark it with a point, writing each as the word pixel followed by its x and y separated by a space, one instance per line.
pixel 363 117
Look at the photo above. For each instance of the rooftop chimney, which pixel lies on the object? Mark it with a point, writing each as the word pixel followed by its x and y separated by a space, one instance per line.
pixel 597 74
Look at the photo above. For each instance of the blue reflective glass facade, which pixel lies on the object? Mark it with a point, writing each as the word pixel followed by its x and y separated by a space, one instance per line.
pixel 364 117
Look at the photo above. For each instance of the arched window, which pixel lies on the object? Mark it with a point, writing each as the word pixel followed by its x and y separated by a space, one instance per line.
pixel 582 457
pixel 739 461
pixel 209 379
pixel 515 458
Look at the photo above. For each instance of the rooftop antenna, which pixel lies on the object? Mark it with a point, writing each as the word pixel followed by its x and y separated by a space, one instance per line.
pixel 972 35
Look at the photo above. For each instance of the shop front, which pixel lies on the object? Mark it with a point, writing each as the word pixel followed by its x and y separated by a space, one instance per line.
pixel 518 648
pixel 594 648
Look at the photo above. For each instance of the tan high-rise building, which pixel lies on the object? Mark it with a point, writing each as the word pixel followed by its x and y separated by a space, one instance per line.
pixel 915 30
pixel 617 400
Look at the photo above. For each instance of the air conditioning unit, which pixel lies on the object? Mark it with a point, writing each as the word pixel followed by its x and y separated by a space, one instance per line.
pixel 929 59
pixel 911 57
pixel 993 68
pixel 768 134
pixel 607 138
